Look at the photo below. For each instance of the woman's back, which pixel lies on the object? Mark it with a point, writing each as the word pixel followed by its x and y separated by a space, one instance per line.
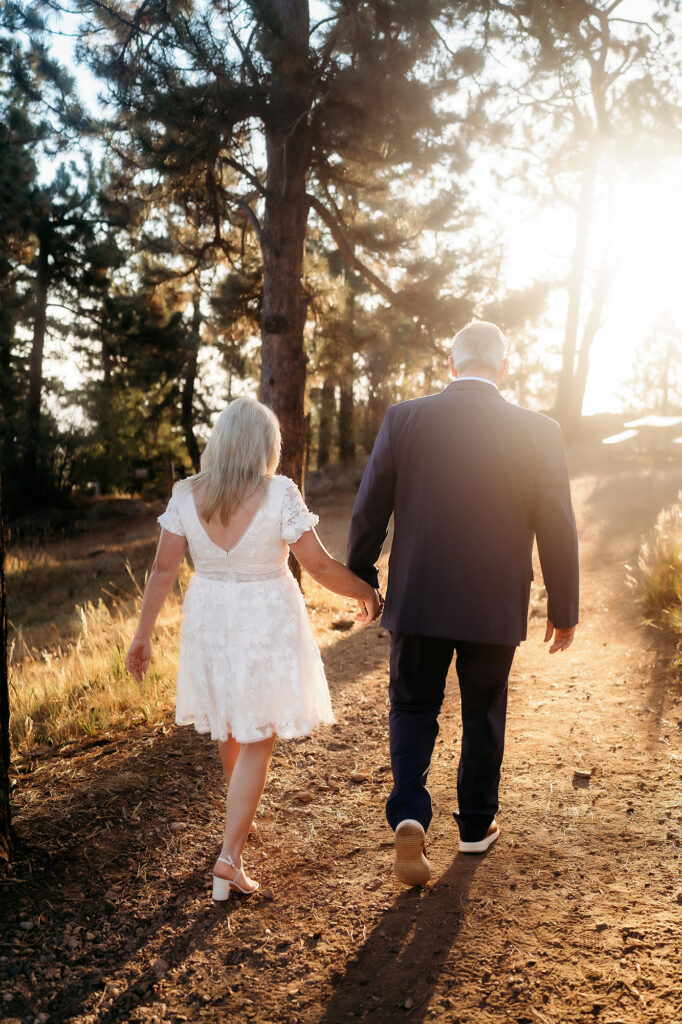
pixel 226 535
pixel 254 544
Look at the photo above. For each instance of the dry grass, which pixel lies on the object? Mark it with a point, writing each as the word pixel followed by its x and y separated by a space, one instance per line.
pixel 80 685
pixel 661 565
pixel 48 582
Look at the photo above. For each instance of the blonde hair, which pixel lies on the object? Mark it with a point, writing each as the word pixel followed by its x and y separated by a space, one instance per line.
pixel 242 451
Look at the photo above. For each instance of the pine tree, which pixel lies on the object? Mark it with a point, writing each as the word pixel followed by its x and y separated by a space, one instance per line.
pixel 273 114
pixel 50 241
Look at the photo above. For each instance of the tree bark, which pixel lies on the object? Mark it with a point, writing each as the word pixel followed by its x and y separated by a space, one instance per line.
pixel 6 832
pixel 187 402
pixel 327 409
pixel 35 380
pixel 287 141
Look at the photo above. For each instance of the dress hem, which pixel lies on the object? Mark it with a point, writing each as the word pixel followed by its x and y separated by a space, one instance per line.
pixel 282 734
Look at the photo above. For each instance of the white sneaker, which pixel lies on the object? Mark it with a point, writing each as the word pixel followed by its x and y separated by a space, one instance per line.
pixel 410 865
pixel 482 845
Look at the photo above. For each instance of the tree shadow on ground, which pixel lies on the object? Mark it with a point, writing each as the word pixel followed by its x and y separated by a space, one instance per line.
pixel 116 845
pixel 366 649
pixel 399 965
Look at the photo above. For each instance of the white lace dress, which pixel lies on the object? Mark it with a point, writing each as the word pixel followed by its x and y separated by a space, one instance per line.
pixel 249 666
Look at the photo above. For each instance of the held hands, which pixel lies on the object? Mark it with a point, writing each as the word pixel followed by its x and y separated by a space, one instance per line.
pixel 369 608
pixel 138 657
pixel 563 638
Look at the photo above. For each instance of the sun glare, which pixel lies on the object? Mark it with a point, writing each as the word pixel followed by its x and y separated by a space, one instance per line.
pixel 646 234
pixel 647 228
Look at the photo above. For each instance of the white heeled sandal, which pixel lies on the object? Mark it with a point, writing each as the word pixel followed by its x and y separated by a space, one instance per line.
pixel 222 886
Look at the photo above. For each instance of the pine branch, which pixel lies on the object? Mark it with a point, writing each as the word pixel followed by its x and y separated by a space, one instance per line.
pixel 243 205
pixel 245 52
pixel 345 248
pixel 237 166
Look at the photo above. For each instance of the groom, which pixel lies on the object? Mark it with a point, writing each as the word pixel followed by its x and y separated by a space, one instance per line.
pixel 470 480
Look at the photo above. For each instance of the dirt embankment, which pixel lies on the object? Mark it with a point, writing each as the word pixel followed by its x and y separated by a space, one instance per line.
pixel 573 916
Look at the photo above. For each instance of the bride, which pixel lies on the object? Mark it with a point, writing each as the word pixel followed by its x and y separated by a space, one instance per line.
pixel 249 669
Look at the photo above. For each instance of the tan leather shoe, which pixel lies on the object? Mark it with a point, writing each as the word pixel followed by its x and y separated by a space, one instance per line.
pixel 482 845
pixel 410 865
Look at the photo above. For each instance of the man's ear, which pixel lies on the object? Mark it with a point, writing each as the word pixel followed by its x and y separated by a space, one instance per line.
pixel 453 371
pixel 503 368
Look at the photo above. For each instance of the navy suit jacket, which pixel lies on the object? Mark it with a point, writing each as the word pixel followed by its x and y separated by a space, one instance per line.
pixel 470 480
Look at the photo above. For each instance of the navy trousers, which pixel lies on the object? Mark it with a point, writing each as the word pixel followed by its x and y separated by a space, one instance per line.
pixel 418 669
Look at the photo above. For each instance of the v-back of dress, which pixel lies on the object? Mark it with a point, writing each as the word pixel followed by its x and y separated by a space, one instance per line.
pixel 249 666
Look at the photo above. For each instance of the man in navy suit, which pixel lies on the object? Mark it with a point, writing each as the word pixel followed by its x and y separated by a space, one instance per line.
pixel 470 480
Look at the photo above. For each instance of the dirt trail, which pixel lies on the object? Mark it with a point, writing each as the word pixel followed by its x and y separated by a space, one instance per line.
pixel 574 915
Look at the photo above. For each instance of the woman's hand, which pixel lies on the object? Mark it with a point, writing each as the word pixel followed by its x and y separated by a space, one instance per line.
pixel 138 657
pixel 369 608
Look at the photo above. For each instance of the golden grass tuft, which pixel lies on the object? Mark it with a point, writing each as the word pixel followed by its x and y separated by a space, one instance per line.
pixel 661 565
pixel 83 687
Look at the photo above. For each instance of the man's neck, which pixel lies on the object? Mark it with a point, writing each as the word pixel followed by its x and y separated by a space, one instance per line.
pixel 475 376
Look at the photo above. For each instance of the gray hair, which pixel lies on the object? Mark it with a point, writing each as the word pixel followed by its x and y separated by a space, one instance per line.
pixel 480 343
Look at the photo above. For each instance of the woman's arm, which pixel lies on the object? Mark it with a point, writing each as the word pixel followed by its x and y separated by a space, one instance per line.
pixel 169 554
pixel 335 576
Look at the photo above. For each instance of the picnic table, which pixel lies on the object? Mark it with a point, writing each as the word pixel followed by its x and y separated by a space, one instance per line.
pixel 649 435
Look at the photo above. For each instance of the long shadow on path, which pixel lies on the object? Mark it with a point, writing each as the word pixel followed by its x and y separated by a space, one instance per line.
pixel 99 857
pixel 406 952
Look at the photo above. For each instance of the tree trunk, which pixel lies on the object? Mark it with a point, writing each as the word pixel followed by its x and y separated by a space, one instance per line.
pixel 286 209
pixel 377 404
pixel 592 325
pixel 347 374
pixel 187 405
pixel 6 833
pixel 35 380
pixel 327 408
pixel 565 399
pixel 379 397
pixel 346 426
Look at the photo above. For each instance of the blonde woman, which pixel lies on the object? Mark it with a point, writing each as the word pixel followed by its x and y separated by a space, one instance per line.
pixel 249 669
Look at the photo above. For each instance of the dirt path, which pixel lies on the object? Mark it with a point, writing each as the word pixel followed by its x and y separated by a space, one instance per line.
pixel 574 915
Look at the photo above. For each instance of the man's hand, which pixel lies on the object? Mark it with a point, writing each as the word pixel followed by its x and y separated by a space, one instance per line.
pixel 370 610
pixel 563 638
pixel 138 658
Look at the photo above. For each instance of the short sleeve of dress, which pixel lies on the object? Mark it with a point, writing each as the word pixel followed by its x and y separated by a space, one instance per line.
pixel 170 520
pixel 296 516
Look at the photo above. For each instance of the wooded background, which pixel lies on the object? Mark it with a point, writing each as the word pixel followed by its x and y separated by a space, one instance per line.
pixel 279 197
